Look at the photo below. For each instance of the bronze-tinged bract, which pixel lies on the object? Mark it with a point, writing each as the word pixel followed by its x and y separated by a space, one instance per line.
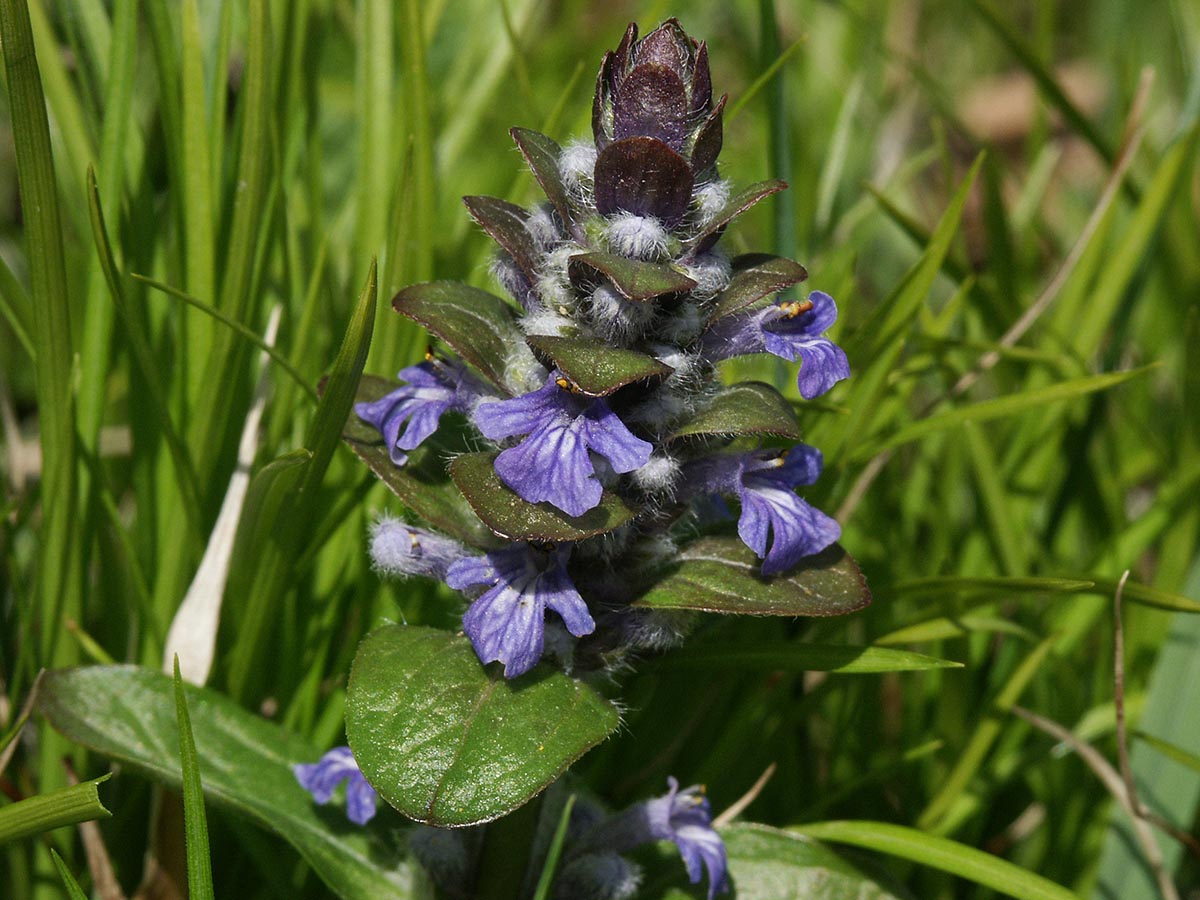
pixel 652 114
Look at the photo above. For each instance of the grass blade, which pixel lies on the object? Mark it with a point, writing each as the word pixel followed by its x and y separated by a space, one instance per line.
pixel 1001 407
pixel 787 656
pixel 199 866
pixel 546 879
pixel 1169 750
pixel 249 334
pixel 74 891
pixel 51 335
pixel 143 357
pixel 940 853
pixel 984 737
pixel 67 806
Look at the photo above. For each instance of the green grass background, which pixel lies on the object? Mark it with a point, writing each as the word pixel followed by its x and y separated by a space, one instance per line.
pixel 262 153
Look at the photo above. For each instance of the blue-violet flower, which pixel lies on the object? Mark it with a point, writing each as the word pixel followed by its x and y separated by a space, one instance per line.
pixel 682 817
pixel 410 414
pixel 506 623
pixel 321 779
pixel 772 513
pixel 552 463
pixel 787 330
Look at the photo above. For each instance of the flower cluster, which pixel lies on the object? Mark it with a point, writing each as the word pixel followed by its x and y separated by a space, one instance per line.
pixel 625 306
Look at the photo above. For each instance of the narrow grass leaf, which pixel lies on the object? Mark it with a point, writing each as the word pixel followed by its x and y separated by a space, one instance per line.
pixel 1002 407
pixel 144 358
pixel 790 656
pixel 200 237
pixel 1169 750
pixel 1117 274
pixel 546 878
pixel 247 333
pixel 50 296
pixel 15 307
pixel 939 853
pixel 195 823
pixel 1028 58
pixel 74 891
pixel 984 738
pixel 45 812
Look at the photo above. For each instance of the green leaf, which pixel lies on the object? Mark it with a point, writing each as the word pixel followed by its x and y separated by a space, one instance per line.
pixel 594 367
pixel 755 275
pixel 734 207
pixel 1000 407
pixel 940 853
pixel 128 713
pixel 509 516
pixel 750 407
pixel 195 823
pixel 634 279
pixel 479 326
pixel 546 878
pixel 542 153
pixel 74 891
pixel 1169 750
pixel 722 575
pixel 505 223
pixel 792 656
pixel 1134 592
pixel 449 742
pixel 422 484
pixel 50 296
pixel 45 812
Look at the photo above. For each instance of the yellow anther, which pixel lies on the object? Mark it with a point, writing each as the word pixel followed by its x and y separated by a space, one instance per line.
pixel 567 385
pixel 796 307
pixel 429 353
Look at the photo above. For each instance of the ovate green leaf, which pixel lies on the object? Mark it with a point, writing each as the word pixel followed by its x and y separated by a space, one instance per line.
pixel 479 326
pixel 594 367
pixel 722 575
pixel 755 275
pixel 449 742
pixel 750 407
pixel 634 279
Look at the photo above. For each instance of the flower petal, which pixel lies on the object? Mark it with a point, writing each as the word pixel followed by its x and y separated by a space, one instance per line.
pixel 822 365
pixel 608 436
pixel 560 595
pixel 520 415
pixel 797 529
pixel 507 625
pixel 552 465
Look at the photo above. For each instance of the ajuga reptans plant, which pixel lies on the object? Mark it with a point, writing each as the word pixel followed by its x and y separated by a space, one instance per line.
pixel 597 394
pixel 566 455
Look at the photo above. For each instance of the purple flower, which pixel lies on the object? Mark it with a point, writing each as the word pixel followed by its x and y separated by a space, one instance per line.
pixel 506 623
pixel 400 550
pixel 772 513
pixel 410 414
pixel 682 817
pixel 321 779
pixel 553 463
pixel 800 333
pixel 789 330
